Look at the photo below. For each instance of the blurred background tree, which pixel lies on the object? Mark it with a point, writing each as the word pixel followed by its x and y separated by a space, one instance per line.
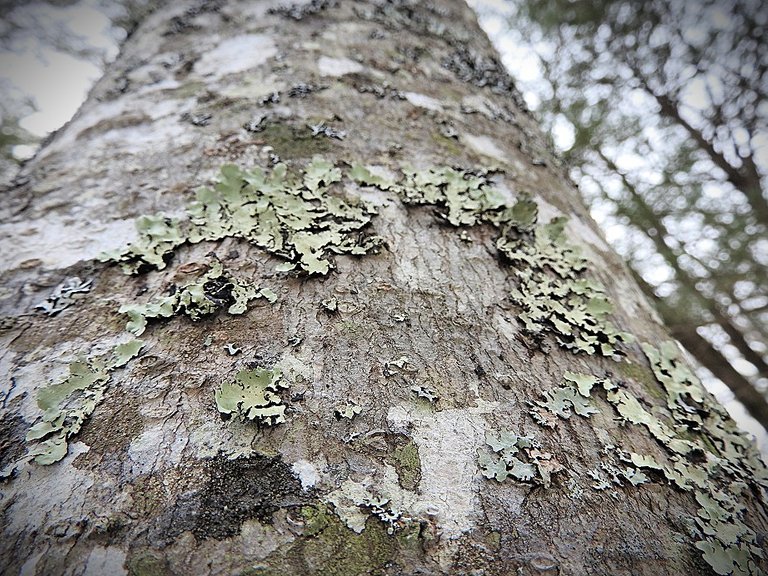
pixel 659 111
pixel 51 53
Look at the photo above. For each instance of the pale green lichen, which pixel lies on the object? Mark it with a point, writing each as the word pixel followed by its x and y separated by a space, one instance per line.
pixel 253 396
pixel 364 176
pixel 518 457
pixel 301 221
pixel 705 421
pixel 330 305
pixel 68 404
pixel 197 299
pixel 399 366
pixel 267 293
pixel 731 464
pixel 124 353
pixel 424 391
pixel 726 463
pixel 349 410
pixel 65 408
pixel 296 218
pixel 553 296
pixel 684 392
pixel 573 397
pixel 562 401
pixel 632 411
pixel 608 476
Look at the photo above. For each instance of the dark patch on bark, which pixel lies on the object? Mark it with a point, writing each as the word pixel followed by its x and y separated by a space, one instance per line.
pixel 244 489
pixel 291 142
pixel 12 431
pixel 185 21
pixel 300 11
pixel 331 549
pixel 482 70
pixel 30 284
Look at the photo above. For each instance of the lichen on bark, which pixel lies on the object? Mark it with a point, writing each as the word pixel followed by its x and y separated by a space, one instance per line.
pixel 295 218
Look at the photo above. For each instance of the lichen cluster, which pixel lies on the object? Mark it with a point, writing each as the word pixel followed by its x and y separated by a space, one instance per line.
pixel 211 292
pixel 565 400
pixel 253 396
pixel 302 219
pixel 554 296
pixel 384 499
pixel 519 457
pixel 296 219
pixel 68 404
pixel 731 465
pixel 705 453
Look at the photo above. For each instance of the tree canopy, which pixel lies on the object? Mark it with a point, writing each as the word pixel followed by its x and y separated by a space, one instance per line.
pixel 663 108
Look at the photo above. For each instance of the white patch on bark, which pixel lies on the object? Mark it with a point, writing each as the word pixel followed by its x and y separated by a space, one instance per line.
pixel 42 368
pixel 306 472
pixel 212 437
pixel 257 541
pixel 32 503
pixel 292 366
pixel 109 560
pixel 59 243
pixel 168 132
pixel 448 442
pixel 156 136
pixel 346 503
pixel 424 101
pixel 236 54
pixel 337 66
pixel 505 327
pixel 29 568
pixel 486 146
pixel 159 446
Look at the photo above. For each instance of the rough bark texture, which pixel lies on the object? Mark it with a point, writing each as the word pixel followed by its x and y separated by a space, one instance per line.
pixel 156 482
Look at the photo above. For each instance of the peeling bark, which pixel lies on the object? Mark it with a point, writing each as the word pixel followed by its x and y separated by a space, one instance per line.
pixel 424 337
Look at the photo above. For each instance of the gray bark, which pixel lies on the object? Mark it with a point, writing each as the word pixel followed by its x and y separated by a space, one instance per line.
pixel 157 483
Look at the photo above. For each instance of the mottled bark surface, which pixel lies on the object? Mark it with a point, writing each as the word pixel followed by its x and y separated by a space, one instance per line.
pixel 156 482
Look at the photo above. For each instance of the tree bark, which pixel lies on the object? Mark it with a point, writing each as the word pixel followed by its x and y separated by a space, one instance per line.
pixel 435 421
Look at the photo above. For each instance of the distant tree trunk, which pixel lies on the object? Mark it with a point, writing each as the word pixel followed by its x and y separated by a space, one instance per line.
pixel 457 403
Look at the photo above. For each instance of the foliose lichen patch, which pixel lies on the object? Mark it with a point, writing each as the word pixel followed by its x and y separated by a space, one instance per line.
pixel 290 216
pixel 253 396
pixel 202 297
pixel 301 218
pixel 706 455
pixel 383 498
pixel 68 404
pixel 518 457
pixel 731 467
pixel 565 400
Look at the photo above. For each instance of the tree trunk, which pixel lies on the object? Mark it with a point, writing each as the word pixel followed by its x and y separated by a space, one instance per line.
pixel 442 387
